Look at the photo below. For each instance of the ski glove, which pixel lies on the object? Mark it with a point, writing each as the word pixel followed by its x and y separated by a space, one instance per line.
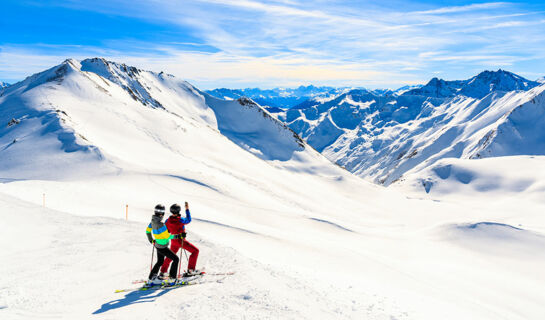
pixel 180 236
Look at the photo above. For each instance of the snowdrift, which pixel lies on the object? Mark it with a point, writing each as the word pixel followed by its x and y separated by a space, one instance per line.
pixel 514 176
pixel 496 239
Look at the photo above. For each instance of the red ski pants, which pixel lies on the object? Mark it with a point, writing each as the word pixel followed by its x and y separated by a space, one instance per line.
pixel 175 245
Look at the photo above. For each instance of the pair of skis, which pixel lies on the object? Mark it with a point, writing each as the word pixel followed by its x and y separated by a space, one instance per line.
pixel 180 282
pixel 163 286
pixel 202 273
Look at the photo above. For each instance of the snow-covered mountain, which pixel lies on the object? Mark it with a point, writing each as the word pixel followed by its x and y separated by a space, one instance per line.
pixel 381 137
pixel 88 148
pixel 277 97
pixel 3 85
pixel 72 111
pixel 477 87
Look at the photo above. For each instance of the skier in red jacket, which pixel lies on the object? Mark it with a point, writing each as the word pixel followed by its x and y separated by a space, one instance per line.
pixel 176 226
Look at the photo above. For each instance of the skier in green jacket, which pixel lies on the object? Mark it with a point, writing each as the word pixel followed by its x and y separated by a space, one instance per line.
pixel 160 239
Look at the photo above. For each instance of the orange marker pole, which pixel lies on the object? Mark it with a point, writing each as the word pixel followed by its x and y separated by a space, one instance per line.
pixel 127 212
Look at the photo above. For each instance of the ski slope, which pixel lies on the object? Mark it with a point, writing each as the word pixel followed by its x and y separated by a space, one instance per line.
pixel 306 238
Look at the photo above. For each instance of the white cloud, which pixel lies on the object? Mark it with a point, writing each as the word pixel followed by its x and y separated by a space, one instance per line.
pixel 465 8
pixel 280 42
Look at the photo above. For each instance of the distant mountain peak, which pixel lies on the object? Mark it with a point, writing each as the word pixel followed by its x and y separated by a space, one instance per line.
pixel 476 87
pixel 437 88
pixel 489 81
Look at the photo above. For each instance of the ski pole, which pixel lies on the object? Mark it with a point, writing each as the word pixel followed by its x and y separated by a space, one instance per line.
pixel 180 262
pixel 152 253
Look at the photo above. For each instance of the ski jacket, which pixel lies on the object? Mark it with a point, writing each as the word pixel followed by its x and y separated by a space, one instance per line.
pixel 159 231
pixel 177 226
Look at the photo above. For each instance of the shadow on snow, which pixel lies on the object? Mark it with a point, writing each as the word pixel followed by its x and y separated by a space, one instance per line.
pixel 130 298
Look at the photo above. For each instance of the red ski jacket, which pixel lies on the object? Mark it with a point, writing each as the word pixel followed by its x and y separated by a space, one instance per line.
pixel 177 226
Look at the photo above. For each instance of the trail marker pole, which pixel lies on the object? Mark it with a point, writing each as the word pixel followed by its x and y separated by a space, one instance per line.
pixel 43 200
pixel 127 212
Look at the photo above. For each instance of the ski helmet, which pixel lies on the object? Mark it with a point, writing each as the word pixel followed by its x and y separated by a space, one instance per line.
pixel 159 210
pixel 175 208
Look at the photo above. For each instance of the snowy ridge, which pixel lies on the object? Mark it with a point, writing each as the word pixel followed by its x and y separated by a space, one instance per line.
pixel 61 99
pixel 241 126
pixel 30 119
pixel 127 77
pixel 476 87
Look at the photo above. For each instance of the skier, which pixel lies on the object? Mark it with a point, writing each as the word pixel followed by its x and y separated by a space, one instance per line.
pixel 162 238
pixel 176 226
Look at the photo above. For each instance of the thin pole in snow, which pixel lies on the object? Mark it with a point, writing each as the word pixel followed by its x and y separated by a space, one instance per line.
pixel 180 262
pixel 43 200
pixel 152 252
pixel 127 212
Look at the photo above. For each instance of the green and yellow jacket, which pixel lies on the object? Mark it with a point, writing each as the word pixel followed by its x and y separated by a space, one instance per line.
pixel 159 231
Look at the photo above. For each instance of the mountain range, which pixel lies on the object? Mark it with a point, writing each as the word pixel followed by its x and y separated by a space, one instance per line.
pixel 277 98
pixel 382 137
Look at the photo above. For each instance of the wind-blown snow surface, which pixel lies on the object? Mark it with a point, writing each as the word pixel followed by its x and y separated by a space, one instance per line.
pixel 306 239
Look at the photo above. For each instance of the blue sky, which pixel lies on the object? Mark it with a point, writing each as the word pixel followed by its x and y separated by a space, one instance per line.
pixel 256 43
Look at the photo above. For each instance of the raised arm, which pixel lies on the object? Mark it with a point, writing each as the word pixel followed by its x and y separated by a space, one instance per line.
pixel 187 218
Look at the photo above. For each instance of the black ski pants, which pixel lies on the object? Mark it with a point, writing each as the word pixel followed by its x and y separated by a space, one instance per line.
pixel 161 254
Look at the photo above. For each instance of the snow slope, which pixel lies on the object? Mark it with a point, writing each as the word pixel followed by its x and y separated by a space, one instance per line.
pixel 306 238
pixel 519 177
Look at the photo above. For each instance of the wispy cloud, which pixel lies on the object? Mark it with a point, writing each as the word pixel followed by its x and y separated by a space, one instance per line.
pixel 465 8
pixel 286 41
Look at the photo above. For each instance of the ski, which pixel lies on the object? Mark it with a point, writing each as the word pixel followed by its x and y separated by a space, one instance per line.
pixel 199 274
pixel 181 278
pixel 159 287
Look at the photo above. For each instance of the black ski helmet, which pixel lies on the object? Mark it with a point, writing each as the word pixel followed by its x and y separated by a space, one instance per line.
pixel 175 208
pixel 159 210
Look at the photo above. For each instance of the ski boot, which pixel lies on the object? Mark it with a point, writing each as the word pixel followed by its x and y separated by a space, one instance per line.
pixel 154 281
pixel 191 273
pixel 169 282
pixel 163 275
